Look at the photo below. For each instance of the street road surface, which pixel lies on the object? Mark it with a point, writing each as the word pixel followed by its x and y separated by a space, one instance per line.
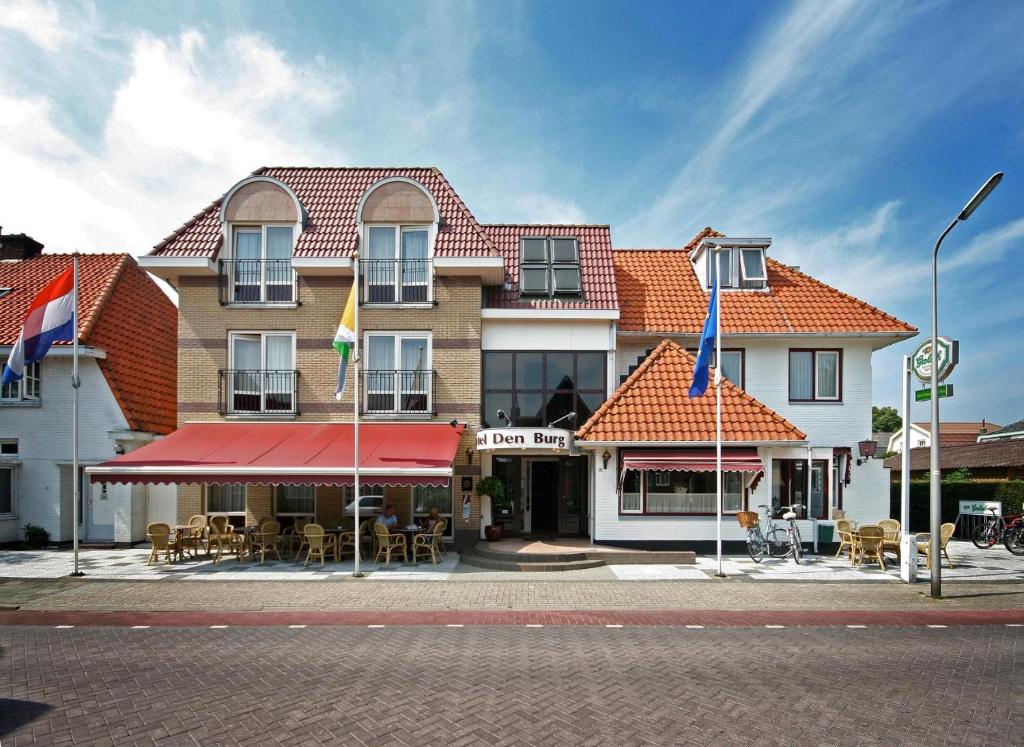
pixel 552 685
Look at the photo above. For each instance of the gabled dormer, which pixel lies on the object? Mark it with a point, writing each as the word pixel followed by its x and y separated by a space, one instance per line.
pixel 741 262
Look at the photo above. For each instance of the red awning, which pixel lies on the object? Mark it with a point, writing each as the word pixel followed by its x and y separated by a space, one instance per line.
pixel 693 460
pixel 291 454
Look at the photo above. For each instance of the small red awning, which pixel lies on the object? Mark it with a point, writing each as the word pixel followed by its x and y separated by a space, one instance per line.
pixel 693 460
pixel 291 454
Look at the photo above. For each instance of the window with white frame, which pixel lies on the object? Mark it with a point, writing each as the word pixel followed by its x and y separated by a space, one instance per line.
pixel 723 265
pixel 295 500
pixel 753 272
pixel 398 373
pixel 260 268
pixel 27 389
pixel 225 499
pixel 427 497
pixel 261 377
pixel 396 265
pixel 549 266
pixel 733 364
pixel 676 492
pixel 815 375
pixel 740 267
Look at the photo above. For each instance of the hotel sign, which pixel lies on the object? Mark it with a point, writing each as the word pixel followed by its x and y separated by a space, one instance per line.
pixel 514 439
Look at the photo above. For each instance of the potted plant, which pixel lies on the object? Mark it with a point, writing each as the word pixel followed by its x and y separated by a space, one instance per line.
pixel 494 489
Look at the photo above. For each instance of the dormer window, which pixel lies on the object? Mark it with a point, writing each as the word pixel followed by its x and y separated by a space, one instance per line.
pixel 396 269
pixel 549 266
pixel 261 265
pixel 752 268
pixel 740 266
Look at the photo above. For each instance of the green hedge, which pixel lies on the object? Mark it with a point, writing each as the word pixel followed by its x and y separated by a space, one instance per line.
pixel 1010 492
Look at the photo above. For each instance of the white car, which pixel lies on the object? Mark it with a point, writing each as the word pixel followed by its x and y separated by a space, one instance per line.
pixel 369 505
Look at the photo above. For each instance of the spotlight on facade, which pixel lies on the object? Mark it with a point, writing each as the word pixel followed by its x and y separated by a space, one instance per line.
pixel 506 418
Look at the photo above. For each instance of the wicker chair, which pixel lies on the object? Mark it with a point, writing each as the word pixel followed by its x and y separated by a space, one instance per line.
pixel 222 535
pixel 346 543
pixel 844 527
pixel 367 537
pixel 429 543
pixel 891 543
pixel 196 538
pixel 298 536
pixel 869 544
pixel 159 534
pixel 265 540
pixel 924 548
pixel 837 514
pixel 388 543
pixel 319 544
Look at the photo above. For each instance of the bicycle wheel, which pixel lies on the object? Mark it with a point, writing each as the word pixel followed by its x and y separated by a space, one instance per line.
pixel 1013 539
pixel 795 544
pixel 756 550
pixel 778 543
pixel 984 536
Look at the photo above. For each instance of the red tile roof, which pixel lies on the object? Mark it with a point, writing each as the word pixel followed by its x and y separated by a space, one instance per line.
pixel 330 197
pixel 598 273
pixel 653 405
pixel 123 312
pixel 659 293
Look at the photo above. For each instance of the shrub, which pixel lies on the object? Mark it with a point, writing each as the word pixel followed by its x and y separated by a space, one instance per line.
pixel 491 486
pixel 36 537
pixel 952 494
pixel 1011 493
pixel 960 474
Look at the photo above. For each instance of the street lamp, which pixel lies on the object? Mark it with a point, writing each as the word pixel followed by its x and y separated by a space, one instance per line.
pixel 935 493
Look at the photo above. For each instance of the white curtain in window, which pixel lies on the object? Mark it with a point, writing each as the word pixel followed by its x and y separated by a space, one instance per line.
pixel 381 244
pixel 247 245
pixel 380 351
pixel 279 242
pixel 414 245
pixel 828 375
pixel 279 352
pixel 800 375
pixel 246 354
pixel 414 353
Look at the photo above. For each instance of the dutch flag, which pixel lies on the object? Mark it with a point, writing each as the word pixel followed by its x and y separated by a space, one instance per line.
pixel 51 317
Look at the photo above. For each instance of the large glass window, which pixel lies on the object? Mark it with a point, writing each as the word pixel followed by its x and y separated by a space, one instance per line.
pixel 225 499
pixel 398 373
pixel 27 389
pixel 549 266
pixel 792 483
pixel 537 389
pixel 427 497
pixel 295 500
pixel 396 268
pixel 670 492
pixel 815 375
pixel 262 376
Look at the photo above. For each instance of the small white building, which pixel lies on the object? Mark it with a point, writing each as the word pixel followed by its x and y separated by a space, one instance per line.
pixel 127 367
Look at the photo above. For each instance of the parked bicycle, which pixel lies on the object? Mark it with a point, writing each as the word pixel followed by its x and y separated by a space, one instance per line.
pixel 775 541
pixel 999 528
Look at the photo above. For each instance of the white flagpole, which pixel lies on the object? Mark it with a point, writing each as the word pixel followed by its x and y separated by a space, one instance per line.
pixel 75 384
pixel 356 350
pixel 718 408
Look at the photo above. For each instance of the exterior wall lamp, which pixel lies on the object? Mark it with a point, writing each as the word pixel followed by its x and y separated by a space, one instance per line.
pixel 867 450
pixel 606 457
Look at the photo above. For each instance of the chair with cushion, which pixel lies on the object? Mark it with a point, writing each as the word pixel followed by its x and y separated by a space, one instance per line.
pixel 159 534
pixel 319 544
pixel 869 545
pixel 429 543
pixel 388 543
pixel 265 540
pixel 844 528
pixel 924 546
pixel 891 543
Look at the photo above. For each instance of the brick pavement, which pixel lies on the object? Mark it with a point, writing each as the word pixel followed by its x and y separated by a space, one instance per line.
pixel 503 686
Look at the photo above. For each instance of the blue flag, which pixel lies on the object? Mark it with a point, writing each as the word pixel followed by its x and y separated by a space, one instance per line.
pixel 706 349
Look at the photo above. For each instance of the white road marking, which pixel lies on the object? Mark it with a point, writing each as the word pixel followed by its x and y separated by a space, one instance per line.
pixel 695 627
pixel 453 625
pixel 775 627
pixel 140 627
pixel 296 627
pixel 856 626
pixel 613 626
pixel 534 625
pixel 375 626
pixel 63 627
pixel 217 627
pixel 936 626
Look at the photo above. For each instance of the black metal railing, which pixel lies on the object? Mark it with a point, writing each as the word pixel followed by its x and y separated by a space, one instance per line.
pixel 398 392
pixel 259 392
pixel 395 280
pixel 257 281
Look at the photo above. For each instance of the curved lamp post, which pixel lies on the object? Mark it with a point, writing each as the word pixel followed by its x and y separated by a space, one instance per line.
pixel 935 493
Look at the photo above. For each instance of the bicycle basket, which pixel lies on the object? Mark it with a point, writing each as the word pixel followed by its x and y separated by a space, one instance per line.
pixel 747 519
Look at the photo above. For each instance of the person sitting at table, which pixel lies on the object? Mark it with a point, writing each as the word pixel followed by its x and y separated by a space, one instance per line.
pixel 389 518
pixel 431 521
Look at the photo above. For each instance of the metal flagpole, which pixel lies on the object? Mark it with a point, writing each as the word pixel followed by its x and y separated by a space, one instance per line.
pixel 718 408
pixel 356 351
pixel 75 384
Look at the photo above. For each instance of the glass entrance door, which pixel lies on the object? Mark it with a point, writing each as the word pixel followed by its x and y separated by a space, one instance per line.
pixel 544 496
pixel 508 511
pixel 573 494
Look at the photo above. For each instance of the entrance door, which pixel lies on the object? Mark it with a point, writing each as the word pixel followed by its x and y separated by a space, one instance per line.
pixel 99 509
pixel 573 493
pixel 544 497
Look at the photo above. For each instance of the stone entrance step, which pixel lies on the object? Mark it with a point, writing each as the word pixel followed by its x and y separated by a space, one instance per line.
pixel 518 556
pixel 511 562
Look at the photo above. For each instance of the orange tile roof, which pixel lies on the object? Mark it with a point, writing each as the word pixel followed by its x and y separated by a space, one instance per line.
pixel 659 293
pixel 121 311
pixel 653 405
pixel 330 196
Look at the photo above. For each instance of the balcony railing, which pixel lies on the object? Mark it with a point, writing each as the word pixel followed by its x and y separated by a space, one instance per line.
pixel 396 281
pixel 245 281
pixel 398 392
pixel 258 392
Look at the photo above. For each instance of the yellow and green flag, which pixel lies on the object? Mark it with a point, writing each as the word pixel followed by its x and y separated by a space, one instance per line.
pixel 345 338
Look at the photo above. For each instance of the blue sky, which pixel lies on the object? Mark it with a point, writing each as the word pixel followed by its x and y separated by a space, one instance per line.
pixel 850 132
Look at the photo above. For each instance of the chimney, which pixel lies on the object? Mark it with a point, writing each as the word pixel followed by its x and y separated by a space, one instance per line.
pixel 18 246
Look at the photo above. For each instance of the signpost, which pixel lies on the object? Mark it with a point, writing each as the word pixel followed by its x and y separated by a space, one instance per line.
pixel 921 360
pixel 923 395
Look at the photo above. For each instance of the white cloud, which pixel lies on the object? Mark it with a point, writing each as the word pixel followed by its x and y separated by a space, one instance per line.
pixel 38 20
